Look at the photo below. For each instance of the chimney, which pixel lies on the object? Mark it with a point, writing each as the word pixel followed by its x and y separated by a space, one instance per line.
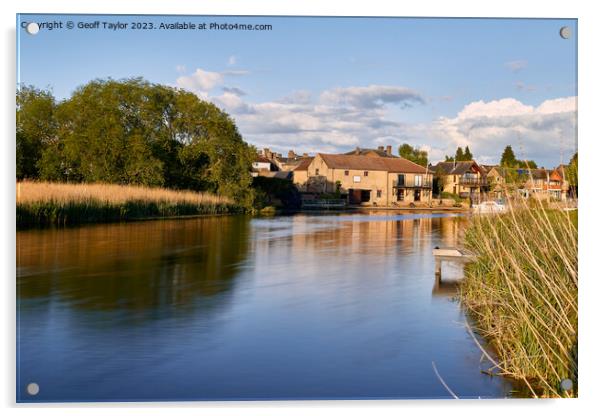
pixel 357 150
pixel 291 154
pixel 381 148
pixel 389 150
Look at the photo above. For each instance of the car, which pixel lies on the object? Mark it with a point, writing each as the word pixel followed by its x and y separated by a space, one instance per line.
pixel 489 207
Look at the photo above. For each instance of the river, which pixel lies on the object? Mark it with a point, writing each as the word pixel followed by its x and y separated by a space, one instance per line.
pixel 339 306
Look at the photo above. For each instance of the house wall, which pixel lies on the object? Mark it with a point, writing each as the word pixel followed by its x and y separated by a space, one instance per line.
pixel 300 179
pixel 261 165
pixel 321 178
pixel 451 184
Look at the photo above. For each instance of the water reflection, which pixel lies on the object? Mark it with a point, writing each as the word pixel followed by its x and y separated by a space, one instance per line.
pixel 296 307
pixel 139 268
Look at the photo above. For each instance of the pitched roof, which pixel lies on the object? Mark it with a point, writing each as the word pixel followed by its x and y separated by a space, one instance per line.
pixel 358 162
pixel 364 152
pixel 457 168
pixel 536 173
pixel 262 159
pixel 304 164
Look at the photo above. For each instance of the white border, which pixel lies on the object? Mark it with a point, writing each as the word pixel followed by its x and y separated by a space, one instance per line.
pixel 590 139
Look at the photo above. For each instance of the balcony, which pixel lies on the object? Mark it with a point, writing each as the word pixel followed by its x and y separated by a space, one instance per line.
pixel 473 181
pixel 423 185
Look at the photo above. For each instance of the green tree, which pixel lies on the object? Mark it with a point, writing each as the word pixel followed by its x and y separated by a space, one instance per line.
pixel 508 158
pixel 413 154
pixel 572 174
pixel 36 129
pixel 459 154
pixel 439 181
pixel 135 132
pixel 104 132
pixel 467 155
pixel 526 164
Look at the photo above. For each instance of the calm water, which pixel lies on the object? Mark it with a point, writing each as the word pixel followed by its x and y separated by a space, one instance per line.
pixel 298 307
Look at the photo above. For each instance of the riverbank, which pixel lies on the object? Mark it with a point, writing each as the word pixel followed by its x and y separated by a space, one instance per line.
pixel 522 294
pixel 417 208
pixel 41 204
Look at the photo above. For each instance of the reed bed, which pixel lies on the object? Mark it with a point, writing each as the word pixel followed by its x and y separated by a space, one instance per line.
pixel 522 293
pixel 49 203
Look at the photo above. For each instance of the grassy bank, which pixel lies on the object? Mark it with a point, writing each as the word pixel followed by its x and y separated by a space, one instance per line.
pixel 47 203
pixel 522 293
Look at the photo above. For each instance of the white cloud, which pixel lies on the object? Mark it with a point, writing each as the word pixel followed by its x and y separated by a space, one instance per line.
pixel 496 108
pixel 339 119
pixel 232 60
pixel 544 133
pixel 234 90
pixel 372 96
pixel 181 68
pixel 200 80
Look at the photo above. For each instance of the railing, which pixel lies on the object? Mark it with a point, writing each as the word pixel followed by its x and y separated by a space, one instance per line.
pixel 473 181
pixel 423 185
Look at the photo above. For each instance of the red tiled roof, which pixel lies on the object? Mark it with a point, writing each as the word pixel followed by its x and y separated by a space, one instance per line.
pixel 387 164
pixel 262 159
pixel 304 164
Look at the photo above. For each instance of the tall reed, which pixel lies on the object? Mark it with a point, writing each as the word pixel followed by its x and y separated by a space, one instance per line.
pixel 522 292
pixel 48 203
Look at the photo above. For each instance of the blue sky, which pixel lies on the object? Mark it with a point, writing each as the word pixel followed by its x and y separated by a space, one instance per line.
pixel 331 84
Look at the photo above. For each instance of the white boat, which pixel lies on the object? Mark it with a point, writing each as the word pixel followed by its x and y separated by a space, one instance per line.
pixel 489 207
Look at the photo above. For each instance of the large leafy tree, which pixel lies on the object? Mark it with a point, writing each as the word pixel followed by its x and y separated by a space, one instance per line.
pixel 135 132
pixel 104 135
pixel 413 154
pixel 36 128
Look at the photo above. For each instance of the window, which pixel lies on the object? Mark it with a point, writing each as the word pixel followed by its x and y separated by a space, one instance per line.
pixel 379 193
pixel 401 180
pixel 400 193
pixel 346 173
pixel 317 172
pixel 418 180
pixel 357 179
pixel 365 173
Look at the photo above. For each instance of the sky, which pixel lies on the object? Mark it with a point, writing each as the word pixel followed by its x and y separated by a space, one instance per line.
pixel 324 84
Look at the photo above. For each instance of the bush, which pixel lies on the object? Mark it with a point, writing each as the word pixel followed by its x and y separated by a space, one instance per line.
pixel 276 192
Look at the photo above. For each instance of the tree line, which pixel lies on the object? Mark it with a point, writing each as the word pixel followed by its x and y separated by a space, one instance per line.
pixel 132 132
pixel 462 155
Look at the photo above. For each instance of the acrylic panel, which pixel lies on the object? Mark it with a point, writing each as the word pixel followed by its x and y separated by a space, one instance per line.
pixel 295 208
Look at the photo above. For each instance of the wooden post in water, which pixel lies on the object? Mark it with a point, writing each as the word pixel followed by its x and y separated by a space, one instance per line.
pixel 438 270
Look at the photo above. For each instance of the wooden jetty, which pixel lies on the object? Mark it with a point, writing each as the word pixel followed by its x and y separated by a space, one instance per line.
pixel 442 254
